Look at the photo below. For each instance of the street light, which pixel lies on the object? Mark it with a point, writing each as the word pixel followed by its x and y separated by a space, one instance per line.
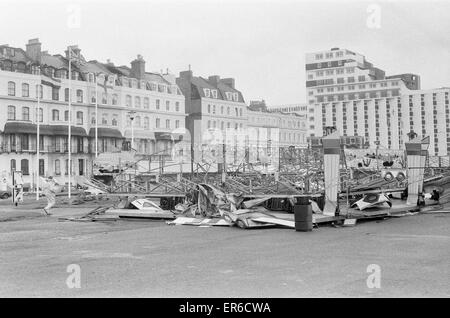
pixel 131 114
pixel 377 143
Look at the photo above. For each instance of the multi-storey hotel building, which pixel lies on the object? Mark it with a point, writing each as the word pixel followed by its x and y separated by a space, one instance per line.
pixel 129 101
pixel 359 100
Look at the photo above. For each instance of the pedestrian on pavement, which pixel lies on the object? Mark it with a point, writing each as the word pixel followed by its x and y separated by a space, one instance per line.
pixel 49 190
pixel 18 187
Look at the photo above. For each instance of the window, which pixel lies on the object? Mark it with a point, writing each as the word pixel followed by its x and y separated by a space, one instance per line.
pixel 66 94
pixel 209 108
pixel 137 121
pixel 25 90
pixel 55 93
pixel 24 142
pixel 40 114
pixel 91 77
pixel 13 164
pixel 221 110
pixel 214 93
pixel 114 120
pixel 25 113
pixel 104 99
pixel 114 99
pixel 11 112
pixel 66 167
pixel 79 118
pixel 237 112
pixel 158 122
pixel 137 102
pixel 240 112
pixel 214 109
pixel 11 89
pixel 207 92
pixel 228 110
pixel 93 120
pixel 66 115
pixel 128 101
pixel 146 123
pixel 58 165
pixel 105 119
pixel 177 124
pixel 24 167
pixel 167 105
pixel 167 123
pixel 235 97
pixel 177 106
pixel 146 103
pixel 157 104
pixel 79 96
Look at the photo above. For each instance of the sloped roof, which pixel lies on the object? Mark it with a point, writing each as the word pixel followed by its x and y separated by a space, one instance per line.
pixel 222 88
pixel 19 55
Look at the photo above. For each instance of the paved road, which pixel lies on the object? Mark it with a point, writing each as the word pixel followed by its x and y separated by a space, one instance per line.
pixel 138 258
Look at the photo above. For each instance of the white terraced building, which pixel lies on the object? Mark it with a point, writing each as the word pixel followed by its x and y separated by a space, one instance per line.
pixel 151 102
pixel 348 93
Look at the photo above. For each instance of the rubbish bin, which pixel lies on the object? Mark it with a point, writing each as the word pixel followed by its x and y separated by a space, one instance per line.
pixel 303 217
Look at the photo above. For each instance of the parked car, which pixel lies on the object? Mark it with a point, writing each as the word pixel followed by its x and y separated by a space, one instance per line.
pixel 5 194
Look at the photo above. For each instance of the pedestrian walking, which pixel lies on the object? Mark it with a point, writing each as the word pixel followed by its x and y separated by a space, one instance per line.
pixel 18 188
pixel 49 190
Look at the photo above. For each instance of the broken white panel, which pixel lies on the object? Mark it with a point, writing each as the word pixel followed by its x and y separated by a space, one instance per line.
pixel 414 161
pixel 331 151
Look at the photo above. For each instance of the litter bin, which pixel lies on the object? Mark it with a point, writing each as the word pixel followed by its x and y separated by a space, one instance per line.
pixel 303 217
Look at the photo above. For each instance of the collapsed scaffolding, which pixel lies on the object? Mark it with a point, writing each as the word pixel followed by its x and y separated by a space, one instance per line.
pixel 326 176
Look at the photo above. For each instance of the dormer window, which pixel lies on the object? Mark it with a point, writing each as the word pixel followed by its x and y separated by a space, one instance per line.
pixel 235 97
pixel 207 92
pixel 162 88
pixel 214 93
pixel 134 83
pixel 111 80
pixel 91 78
pixel 229 95
pixel 142 85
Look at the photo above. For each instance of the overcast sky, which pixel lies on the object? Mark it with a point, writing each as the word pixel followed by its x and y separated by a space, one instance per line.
pixel 261 44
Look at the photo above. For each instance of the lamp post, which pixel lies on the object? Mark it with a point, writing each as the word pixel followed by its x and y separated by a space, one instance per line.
pixel 131 114
pixel 377 143
pixel 38 93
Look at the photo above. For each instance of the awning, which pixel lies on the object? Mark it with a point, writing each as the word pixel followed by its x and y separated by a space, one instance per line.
pixel 106 132
pixel 62 130
pixel 17 127
pixel 163 136
pixel 140 134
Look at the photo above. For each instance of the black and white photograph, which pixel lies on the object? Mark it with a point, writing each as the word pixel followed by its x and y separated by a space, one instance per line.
pixel 223 154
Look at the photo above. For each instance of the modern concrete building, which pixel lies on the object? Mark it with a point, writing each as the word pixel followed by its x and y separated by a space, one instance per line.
pixel 349 93
pixel 126 96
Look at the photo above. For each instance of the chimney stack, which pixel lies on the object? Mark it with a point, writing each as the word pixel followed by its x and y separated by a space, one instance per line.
pixel 138 67
pixel 186 75
pixel 33 49
pixel 229 82
pixel 214 80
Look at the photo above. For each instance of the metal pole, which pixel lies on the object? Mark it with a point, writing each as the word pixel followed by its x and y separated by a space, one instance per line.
pixel 96 117
pixel 70 120
pixel 132 132
pixel 39 86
